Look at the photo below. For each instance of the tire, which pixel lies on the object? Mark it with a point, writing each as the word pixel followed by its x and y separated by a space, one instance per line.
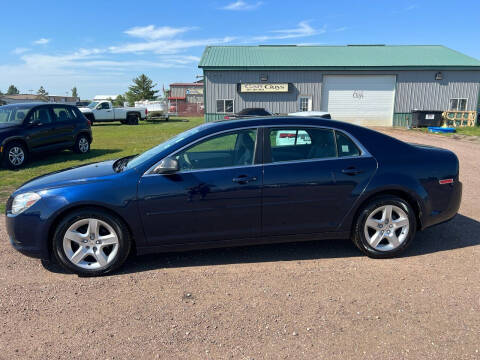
pixel 15 155
pixel 132 119
pixel 87 252
pixel 384 236
pixel 82 144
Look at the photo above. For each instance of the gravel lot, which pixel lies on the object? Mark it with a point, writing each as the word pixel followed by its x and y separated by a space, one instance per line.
pixel 316 300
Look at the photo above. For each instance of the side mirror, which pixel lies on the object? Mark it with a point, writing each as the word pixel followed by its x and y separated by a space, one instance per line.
pixel 167 166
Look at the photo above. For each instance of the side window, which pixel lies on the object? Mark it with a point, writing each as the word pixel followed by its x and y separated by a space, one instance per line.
pixel 458 104
pixel 232 149
pixel 105 106
pixel 40 115
pixel 63 114
pixel 301 144
pixel 345 145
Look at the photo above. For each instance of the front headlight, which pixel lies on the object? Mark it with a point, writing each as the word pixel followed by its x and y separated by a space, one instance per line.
pixel 23 201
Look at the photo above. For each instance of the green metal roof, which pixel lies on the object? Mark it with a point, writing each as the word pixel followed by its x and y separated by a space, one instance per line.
pixel 334 57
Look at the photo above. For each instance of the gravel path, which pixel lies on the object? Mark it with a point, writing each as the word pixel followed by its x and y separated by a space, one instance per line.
pixel 317 300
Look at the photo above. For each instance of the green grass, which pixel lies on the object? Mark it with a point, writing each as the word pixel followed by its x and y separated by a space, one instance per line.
pixel 110 141
pixel 467 130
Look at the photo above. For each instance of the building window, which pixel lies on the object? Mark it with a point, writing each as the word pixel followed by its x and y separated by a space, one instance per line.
pixel 458 104
pixel 305 103
pixel 225 106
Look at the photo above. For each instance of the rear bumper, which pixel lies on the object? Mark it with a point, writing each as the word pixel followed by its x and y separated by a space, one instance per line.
pixel 453 202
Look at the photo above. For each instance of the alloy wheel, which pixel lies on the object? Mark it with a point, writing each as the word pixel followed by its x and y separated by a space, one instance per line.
pixel 16 156
pixel 90 244
pixel 386 228
pixel 83 145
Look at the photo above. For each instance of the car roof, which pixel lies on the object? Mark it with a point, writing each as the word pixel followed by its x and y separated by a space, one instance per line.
pixel 276 120
pixel 33 104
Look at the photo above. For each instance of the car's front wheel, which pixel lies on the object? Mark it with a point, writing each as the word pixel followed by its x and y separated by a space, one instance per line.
pixel 15 155
pixel 385 227
pixel 91 242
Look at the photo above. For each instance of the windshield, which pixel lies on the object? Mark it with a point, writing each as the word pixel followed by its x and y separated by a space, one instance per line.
pixel 13 114
pixel 139 159
pixel 92 104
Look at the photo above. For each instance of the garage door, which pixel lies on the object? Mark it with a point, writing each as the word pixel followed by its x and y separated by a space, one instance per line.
pixel 360 99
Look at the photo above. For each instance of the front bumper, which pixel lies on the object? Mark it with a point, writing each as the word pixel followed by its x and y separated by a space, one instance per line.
pixel 28 234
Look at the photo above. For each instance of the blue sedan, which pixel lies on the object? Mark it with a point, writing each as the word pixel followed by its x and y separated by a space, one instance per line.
pixel 233 183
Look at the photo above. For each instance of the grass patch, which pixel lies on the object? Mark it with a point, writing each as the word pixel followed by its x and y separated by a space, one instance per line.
pixel 465 131
pixel 110 141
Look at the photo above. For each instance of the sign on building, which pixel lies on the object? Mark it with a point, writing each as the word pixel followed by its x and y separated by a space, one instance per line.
pixel 264 88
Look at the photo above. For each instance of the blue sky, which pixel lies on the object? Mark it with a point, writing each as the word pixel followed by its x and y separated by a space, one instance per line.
pixel 100 46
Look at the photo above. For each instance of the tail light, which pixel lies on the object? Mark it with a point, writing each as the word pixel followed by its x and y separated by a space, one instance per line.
pixel 287 135
pixel 445 181
pixel 89 122
pixel 146 112
pixel 226 117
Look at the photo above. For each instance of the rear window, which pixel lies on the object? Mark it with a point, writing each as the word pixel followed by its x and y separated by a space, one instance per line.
pixel 292 144
pixel 345 145
pixel 63 114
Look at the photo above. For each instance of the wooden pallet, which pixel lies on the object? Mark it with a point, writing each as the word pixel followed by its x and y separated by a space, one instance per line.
pixel 460 118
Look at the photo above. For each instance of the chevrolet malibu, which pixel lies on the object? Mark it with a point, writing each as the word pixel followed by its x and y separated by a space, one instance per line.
pixel 234 183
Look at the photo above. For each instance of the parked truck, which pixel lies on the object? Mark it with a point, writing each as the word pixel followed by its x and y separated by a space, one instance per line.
pixel 103 111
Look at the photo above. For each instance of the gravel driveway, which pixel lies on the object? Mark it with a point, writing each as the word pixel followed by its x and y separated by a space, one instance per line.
pixel 317 300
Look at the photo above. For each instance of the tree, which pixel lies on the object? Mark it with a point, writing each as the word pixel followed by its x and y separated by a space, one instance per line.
pixel 74 92
pixel 119 101
pixel 42 93
pixel 12 90
pixel 142 89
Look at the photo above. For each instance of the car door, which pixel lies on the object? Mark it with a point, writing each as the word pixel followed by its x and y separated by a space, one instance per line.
pixel 104 112
pixel 64 125
pixel 215 195
pixel 39 128
pixel 309 185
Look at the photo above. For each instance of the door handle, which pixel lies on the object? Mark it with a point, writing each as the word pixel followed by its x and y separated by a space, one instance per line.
pixel 244 179
pixel 351 170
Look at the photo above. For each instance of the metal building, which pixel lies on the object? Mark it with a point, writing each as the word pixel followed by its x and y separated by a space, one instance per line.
pixel 363 84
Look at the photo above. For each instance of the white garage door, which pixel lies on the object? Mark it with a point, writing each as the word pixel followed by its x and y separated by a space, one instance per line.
pixel 360 99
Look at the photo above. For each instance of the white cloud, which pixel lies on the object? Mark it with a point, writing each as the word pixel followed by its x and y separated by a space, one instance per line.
pixel 302 30
pixel 20 50
pixel 166 46
pixel 112 67
pixel 41 41
pixel 240 5
pixel 151 32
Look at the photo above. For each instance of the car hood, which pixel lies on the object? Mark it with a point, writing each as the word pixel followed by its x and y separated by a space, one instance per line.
pixel 101 171
pixel 85 109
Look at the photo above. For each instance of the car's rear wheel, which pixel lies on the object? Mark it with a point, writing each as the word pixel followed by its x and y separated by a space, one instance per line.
pixel 82 144
pixel 132 119
pixel 91 242
pixel 15 155
pixel 384 227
